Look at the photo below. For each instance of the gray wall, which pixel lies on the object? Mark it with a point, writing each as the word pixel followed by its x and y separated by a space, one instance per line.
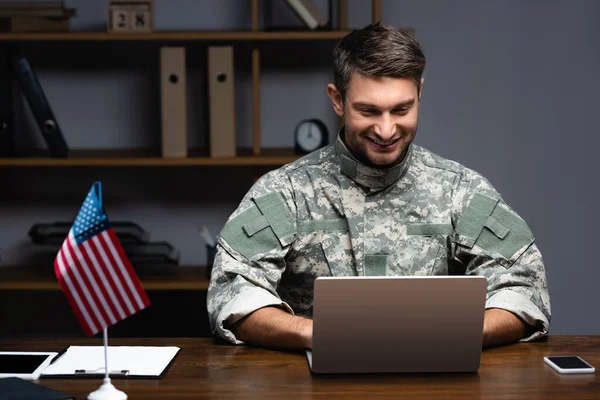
pixel 510 91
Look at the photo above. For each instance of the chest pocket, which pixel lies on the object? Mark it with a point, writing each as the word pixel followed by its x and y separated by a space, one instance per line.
pixel 330 247
pixel 325 250
pixel 423 252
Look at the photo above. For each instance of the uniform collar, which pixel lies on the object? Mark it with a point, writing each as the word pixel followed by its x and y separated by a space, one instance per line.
pixel 374 178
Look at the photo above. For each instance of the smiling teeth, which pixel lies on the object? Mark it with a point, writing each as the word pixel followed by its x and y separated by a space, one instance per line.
pixel 383 144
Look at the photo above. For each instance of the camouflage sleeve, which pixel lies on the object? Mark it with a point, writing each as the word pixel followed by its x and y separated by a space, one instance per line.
pixel 491 240
pixel 250 254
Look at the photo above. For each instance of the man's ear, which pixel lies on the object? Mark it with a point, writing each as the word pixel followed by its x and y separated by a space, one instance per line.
pixel 336 99
pixel 421 87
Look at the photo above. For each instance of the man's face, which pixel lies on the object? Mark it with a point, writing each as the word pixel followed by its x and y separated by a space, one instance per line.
pixel 381 118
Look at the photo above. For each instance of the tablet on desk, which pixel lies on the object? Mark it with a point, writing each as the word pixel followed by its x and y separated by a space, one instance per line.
pixel 24 364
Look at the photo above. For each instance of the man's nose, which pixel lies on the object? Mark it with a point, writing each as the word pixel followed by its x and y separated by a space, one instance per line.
pixel 386 127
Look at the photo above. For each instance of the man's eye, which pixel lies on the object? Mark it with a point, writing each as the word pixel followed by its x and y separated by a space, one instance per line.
pixel 400 111
pixel 367 111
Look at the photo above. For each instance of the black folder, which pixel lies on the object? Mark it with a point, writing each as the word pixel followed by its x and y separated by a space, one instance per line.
pixel 39 106
pixel 7 132
pixel 55 233
pixel 19 389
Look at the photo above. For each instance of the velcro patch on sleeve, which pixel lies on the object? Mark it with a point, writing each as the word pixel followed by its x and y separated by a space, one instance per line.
pixel 490 224
pixel 507 242
pixel 280 219
pixel 471 223
pixel 266 225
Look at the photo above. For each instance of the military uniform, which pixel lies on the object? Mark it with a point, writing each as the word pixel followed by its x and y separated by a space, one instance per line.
pixel 329 214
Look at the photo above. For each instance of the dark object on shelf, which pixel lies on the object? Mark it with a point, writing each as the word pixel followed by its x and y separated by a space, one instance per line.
pixel 39 106
pixel 56 232
pixel 268 18
pixel 7 132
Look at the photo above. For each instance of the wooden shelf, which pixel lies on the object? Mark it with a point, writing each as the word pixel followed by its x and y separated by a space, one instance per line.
pixel 153 278
pixel 173 36
pixel 150 158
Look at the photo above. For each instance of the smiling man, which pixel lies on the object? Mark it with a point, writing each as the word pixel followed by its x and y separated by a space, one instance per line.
pixel 372 204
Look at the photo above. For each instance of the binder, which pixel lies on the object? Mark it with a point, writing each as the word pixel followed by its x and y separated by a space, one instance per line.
pixel 221 101
pixel 173 102
pixel 7 132
pixel 39 106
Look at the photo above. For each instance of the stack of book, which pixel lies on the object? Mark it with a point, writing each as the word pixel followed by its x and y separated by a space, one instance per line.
pixel 41 16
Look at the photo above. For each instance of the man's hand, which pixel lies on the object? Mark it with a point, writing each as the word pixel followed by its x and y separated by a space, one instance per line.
pixel 275 328
pixel 502 327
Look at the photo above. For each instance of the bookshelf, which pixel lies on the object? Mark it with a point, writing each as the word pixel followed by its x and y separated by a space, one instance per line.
pixel 138 158
pixel 172 36
pixel 170 286
pixel 151 158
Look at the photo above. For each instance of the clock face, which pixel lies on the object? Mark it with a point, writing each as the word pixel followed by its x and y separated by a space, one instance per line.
pixel 309 136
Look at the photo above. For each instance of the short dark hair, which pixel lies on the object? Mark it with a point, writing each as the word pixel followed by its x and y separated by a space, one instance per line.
pixel 378 50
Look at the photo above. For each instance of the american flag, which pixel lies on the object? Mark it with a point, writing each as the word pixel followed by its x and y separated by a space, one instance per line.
pixel 94 271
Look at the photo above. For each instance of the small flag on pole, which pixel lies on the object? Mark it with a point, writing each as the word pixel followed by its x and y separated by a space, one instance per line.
pixel 94 271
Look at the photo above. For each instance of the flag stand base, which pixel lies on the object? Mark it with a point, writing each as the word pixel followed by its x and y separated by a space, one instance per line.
pixel 107 392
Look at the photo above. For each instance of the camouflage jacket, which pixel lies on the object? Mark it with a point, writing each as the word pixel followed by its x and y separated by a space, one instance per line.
pixel 328 214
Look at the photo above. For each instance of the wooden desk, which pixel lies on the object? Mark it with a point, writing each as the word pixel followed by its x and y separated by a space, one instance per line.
pixel 204 369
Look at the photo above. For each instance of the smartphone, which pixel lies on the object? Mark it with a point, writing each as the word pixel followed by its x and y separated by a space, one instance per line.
pixel 569 365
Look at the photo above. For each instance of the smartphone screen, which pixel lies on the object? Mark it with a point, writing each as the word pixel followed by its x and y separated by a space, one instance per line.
pixel 569 362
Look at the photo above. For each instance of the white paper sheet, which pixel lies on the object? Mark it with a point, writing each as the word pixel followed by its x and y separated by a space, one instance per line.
pixel 137 360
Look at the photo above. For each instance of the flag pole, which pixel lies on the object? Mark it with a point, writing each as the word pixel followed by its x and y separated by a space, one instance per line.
pixel 106 378
pixel 107 391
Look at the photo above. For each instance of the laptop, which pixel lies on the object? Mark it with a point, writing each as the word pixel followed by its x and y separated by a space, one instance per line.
pixel 397 324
